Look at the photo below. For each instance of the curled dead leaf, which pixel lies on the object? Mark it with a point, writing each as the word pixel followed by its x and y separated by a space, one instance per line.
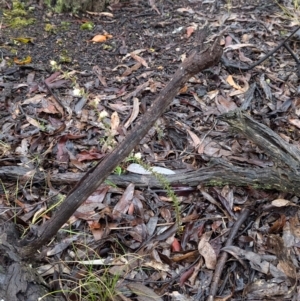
pixel 99 38
pixel 24 61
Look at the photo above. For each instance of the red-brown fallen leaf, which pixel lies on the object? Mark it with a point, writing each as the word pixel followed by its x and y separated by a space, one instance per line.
pixel 225 105
pixel 94 225
pixel 190 256
pixel 278 224
pixel 175 245
pixel 132 69
pixel 237 209
pixel 153 6
pixel 91 154
pixel 189 31
pixel 216 224
pixel 55 80
pixel 228 41
pixel 98 71
pixel 131 209
pixel 243 58
pixel 183 89
pixel 62 155
pixel 227 297
pixel 185 276
pixel 97 229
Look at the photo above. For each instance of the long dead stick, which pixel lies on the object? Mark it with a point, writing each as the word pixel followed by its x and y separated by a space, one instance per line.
pixel 195 63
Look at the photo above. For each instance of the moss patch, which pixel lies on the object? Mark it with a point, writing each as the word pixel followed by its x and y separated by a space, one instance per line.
pixel 18 16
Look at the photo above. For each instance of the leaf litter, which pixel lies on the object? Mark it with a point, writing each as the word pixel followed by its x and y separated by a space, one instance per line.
pixel 62 122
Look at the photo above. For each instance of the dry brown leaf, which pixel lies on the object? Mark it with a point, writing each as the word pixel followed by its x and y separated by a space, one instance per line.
pixel 207 251
pixel 33 121
pixel 195 138
pixel 138 89
pixel 34 100
pixel 183 89
pixel 295 226
pixel 238 46
pixel 139 59
pixel 99 38
pixel 244 59
pixel 225 105
pixel 106 14
pixel 115 122
pixel 157 265
pixel 143 292
pixel 281 203
pixel 98 71
pixel 153 6
pixel 133 68
pixel 123 204
pixel 24 61
pixel 295 122
pixel 228 41
pixel 135 112
pixel 236 86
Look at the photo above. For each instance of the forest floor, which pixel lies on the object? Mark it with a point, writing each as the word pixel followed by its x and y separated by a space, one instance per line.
pixel 73 85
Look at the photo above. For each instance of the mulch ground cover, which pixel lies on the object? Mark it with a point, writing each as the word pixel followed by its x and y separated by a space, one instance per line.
pixel 73 85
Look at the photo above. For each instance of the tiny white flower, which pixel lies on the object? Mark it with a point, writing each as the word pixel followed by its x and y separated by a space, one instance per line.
pixel 77 92
pixel 53 63
pixel 138 156
pixel 103 114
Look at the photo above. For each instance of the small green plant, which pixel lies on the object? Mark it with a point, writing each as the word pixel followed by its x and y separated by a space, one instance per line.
pixel 4 148
pixel 99 286
pixel 6 192
pixel 49 27
pixel 291 12
pixel 17 17
pixel 108 140
pixel 229 5
pixel 110 183
pixel 65 25
pixel 55 66
pixel 58 201
pixel 159 131
pixel 95 284
pixel 118 170
pixel 87 26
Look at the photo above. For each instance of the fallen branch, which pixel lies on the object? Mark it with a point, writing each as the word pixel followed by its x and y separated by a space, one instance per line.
pixel 284 176
pixel 224 255
pixel 217 173
pixel 228 64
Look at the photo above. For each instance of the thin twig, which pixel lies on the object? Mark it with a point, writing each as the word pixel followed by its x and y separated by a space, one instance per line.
pixel 223 258
pixel 227 63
